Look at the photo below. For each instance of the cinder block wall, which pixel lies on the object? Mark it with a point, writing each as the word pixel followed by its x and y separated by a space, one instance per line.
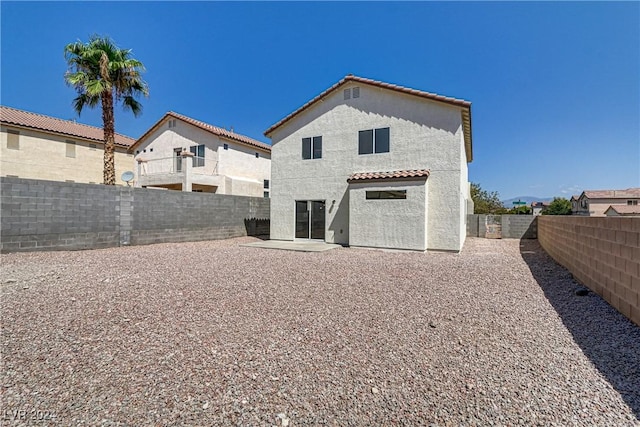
pixel 175 216
pixel 47 215
pixel 513 226
pixel 519 227
pixel 602 253
pixel 50 215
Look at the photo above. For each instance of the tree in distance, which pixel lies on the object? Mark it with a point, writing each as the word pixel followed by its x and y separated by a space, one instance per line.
pixel 100 72
pixel 486 202
pixel 559 206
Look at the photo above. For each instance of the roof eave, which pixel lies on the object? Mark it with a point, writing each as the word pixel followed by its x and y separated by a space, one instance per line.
pixel 54 132
pixel 374 83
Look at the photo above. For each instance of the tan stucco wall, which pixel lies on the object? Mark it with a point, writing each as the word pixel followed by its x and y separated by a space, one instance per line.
pixel 598 207
pixel 237 169
pixel 44 156
pixel 602 253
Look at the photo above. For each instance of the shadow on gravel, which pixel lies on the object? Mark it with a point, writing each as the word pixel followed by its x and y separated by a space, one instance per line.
pixel 606 337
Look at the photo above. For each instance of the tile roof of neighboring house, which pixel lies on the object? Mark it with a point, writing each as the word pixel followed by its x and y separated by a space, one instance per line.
pixel 625 209
pixel 366 176
pixel 26 119
pixel 612 194
pixel 539 204
pixel 221 132
pixel 465 105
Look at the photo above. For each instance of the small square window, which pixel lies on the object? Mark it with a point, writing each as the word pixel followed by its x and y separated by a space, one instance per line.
pixel 151 150
pixel 144 151
pixel 312 148
pixel 266 194
pixel 257 155
pixel 13 140
pixel 356 92
pixel 347 94
pixel 92 147
pixel 373 141
pixel 137 151
pixel 266 183
pixel 225 146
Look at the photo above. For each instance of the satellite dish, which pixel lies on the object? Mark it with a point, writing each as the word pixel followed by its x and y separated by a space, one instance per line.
pixel 127 177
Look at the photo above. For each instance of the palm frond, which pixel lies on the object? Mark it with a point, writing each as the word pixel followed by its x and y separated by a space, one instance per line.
pixel 129 103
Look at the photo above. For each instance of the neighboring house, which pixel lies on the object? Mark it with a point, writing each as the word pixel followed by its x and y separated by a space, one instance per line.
pixel 372 164
pixel 596 202
pixel 180 153
pixel 623 210
pixel 538 207
pixel 574 204
pixel 36 146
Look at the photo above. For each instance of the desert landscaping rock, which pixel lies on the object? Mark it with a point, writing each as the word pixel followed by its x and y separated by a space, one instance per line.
pixel 213 333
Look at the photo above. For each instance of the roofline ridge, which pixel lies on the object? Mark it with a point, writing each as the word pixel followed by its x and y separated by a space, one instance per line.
pixel 64 121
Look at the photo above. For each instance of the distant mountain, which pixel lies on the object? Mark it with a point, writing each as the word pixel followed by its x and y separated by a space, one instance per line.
pixel 528 199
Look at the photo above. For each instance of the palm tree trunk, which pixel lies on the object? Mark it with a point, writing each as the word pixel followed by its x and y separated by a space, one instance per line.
pixel 108 123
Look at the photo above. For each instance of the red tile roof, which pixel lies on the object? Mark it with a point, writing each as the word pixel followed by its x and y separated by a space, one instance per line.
pixel 366 176
pixel 465 105
pixel 221 132
pixel 26 119
pixel 625 210
pixel 629 193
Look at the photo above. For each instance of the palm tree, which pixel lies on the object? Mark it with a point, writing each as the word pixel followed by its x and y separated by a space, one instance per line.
pixel 100 72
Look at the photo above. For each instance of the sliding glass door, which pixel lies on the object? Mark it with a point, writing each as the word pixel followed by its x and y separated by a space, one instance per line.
pixel 310 219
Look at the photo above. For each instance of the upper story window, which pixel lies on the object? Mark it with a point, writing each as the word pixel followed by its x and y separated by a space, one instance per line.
pixel 266 183
pixel 13 140
pixel 71 148
pixel 257 155
pixel 632 202
pixel 198 155
pixel 172 123
pixel 225 146
pixel 373 141
pixel 312 148
pixel 92 147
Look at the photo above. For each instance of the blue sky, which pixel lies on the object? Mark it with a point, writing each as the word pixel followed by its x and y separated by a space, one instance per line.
pixel 555 87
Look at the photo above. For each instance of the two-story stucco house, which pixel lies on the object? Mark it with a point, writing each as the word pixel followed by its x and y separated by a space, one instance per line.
pixel 181 153
pixel 35 146
pixel 373 164
pixel 596 202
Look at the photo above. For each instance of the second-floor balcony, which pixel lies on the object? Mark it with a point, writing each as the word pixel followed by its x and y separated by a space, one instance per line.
pixel 181 171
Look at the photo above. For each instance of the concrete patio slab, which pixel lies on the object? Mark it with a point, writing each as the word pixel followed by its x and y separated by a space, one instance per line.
pixel 299 246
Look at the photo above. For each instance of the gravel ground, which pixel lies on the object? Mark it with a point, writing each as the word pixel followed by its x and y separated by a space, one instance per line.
pixel 212 333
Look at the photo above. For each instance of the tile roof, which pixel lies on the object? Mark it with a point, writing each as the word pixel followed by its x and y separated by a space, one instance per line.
pixel 403 174
pixel 465 105
pixel 221 132
pixel 612 194
pixel 625 209
pixel 21 118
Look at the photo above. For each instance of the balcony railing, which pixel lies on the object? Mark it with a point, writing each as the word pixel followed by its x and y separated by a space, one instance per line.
pixel 176 165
